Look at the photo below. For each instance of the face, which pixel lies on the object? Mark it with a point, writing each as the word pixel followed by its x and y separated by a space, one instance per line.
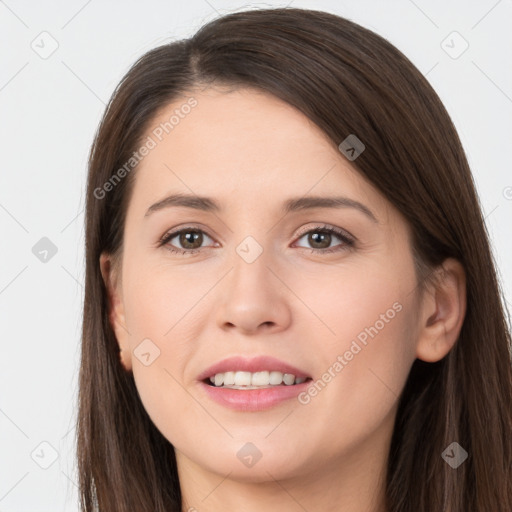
pixel 269 286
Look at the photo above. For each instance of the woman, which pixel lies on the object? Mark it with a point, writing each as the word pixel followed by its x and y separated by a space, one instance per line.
pixel 291 303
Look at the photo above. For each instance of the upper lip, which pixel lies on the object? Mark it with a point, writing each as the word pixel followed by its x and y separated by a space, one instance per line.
pixel 254 364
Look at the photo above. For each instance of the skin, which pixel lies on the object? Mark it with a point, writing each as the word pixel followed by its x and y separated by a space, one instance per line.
pixel 250 151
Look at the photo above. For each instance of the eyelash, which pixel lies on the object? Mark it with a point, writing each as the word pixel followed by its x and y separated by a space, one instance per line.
pixel 348 242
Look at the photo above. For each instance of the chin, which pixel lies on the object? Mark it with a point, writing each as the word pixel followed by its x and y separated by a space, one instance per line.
pixel 257 466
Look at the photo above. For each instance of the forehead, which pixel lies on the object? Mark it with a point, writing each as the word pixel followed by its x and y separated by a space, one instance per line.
pixel 233 123
pixel 243 144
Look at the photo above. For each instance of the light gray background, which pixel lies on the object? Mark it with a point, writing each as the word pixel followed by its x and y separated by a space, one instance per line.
pixel 50 108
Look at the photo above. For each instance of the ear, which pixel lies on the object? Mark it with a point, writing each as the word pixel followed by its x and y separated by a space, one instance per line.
pixel 110 273
pixel 442 312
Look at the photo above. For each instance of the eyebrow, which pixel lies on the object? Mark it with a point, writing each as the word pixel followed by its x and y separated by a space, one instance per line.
pixel 208 204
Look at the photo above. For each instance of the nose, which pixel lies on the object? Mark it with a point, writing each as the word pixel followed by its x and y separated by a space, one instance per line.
pixel 253 298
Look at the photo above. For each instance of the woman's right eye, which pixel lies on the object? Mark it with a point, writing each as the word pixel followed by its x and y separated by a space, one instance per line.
pixel 187 237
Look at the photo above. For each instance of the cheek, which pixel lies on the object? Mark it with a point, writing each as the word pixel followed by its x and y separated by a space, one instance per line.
pixel 160 300
pixel 366 358
pixel 357 302
pixel 156 306
pixel 166 306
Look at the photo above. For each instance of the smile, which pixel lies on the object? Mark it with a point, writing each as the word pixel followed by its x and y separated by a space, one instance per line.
pixel 255 380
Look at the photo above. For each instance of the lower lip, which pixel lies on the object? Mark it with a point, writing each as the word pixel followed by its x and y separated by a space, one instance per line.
pixel 253 399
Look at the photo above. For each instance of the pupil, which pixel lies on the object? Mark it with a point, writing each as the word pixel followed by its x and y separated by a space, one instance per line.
pixel 189 237
pixel 314 239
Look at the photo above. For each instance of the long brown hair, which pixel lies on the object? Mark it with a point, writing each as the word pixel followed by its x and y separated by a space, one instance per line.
pixel 347 80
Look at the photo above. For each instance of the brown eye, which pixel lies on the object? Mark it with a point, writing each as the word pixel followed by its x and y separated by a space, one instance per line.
pixel 320 239
pixel 190 240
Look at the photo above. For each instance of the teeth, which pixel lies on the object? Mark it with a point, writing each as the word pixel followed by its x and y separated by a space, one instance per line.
pixel 275 378
pixel 241 378
pixel 229 378
pixel 260 379
pixel 288 379
pixel 248 380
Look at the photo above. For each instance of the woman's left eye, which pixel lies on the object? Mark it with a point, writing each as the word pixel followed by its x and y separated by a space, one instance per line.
pixel 323 236
pixel 191 240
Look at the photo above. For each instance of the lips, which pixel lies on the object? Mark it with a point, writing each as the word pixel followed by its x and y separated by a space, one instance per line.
pixel 252 398
pixel 253 365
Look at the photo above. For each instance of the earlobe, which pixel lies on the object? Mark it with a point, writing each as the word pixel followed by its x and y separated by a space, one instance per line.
pixel 116 309
pixel 126 358
pixel 442 312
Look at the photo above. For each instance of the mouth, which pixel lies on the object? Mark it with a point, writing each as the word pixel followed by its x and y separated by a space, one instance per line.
pixel 253 380
pixel 255 384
